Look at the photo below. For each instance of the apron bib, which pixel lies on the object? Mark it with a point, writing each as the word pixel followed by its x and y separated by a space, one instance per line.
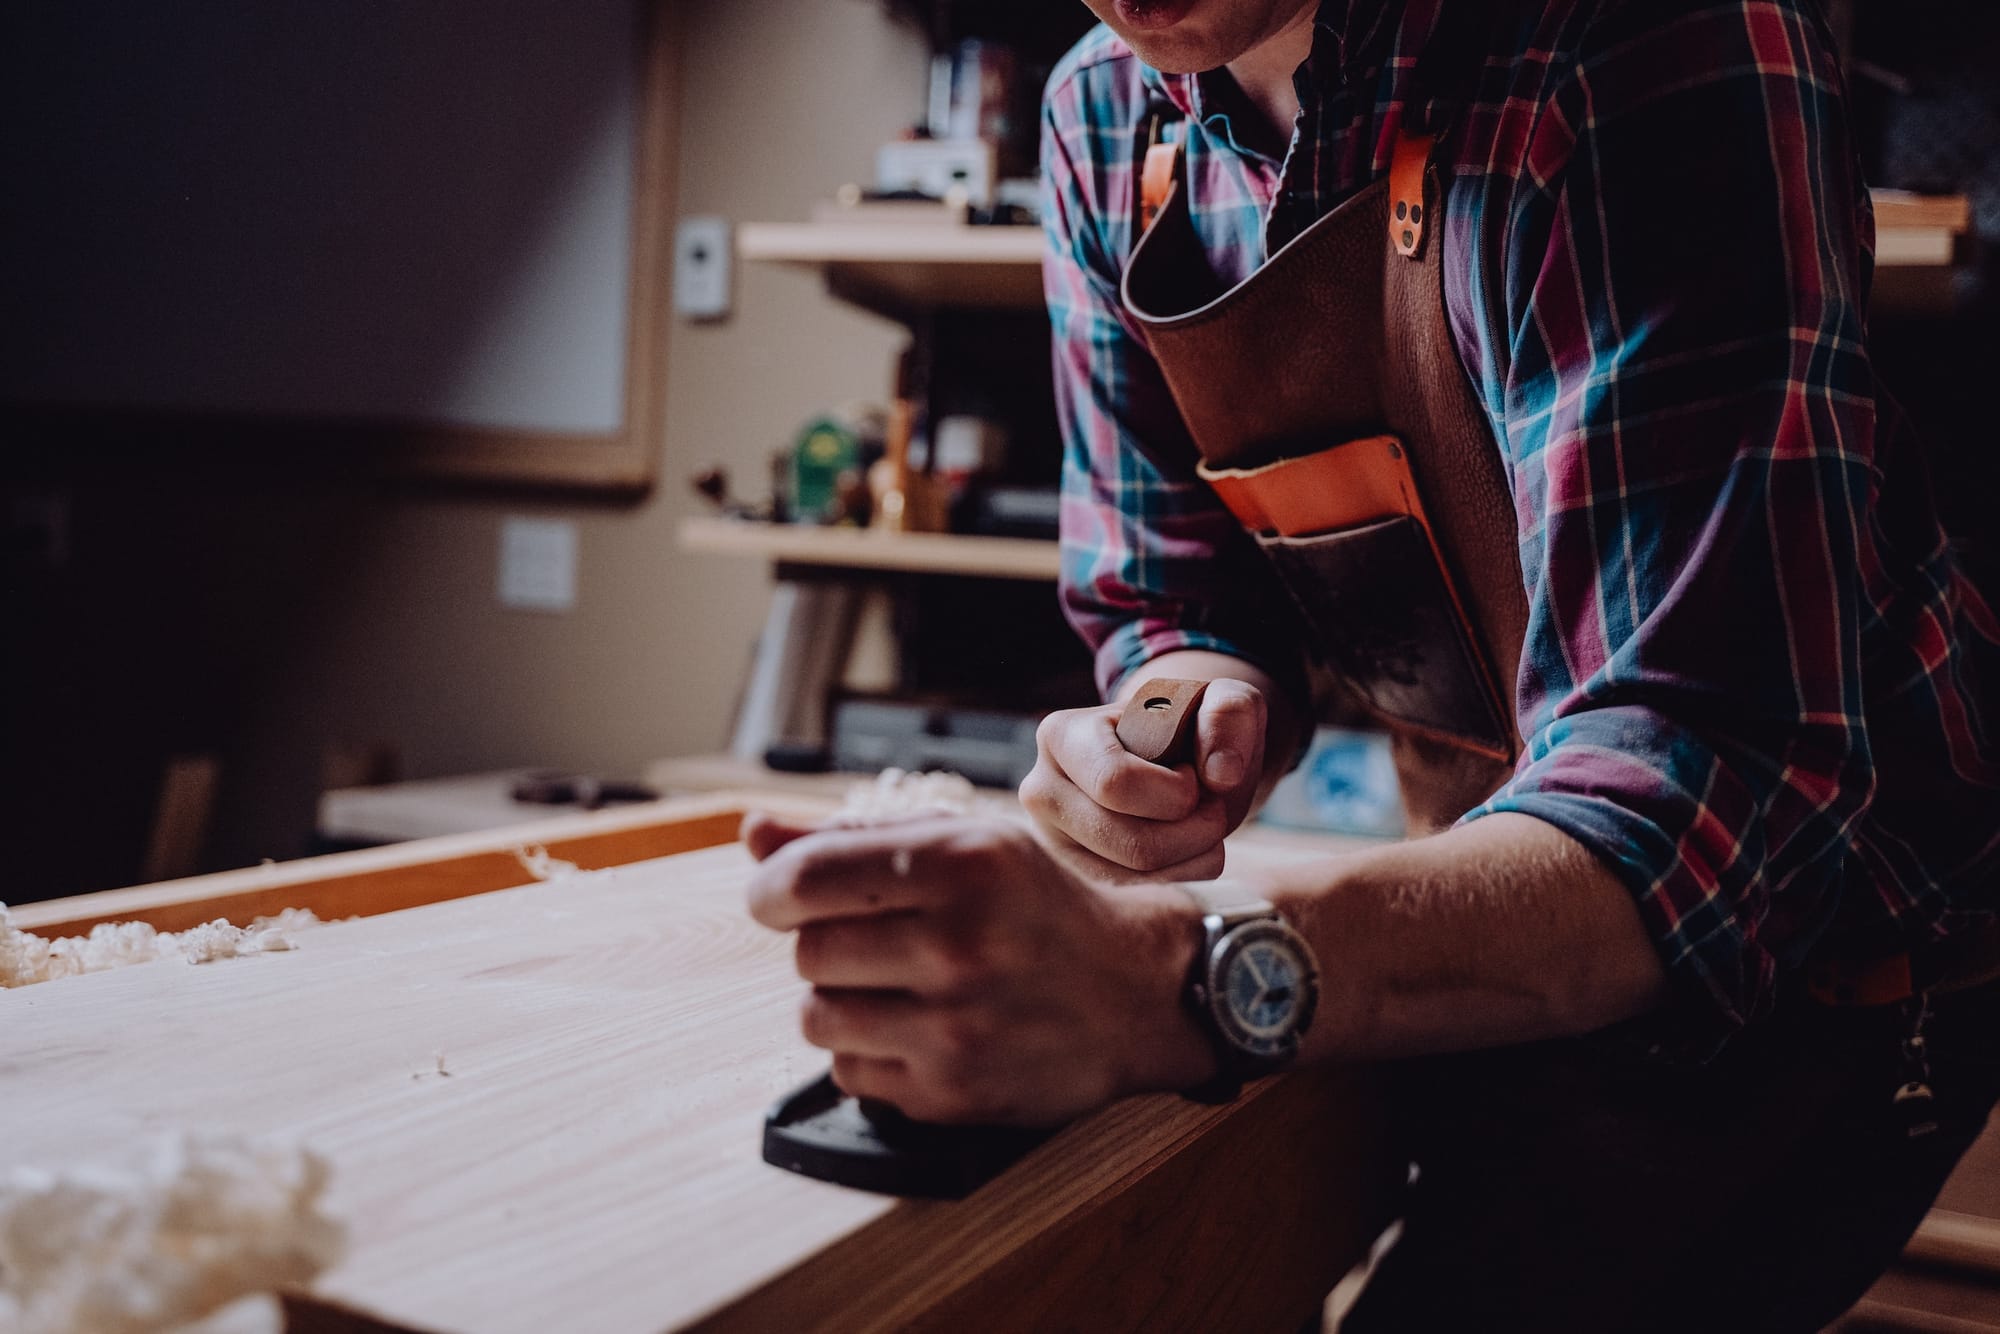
pixel 1335 420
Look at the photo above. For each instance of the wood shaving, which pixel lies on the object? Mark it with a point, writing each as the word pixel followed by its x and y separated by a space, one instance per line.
pixel 537 862
pixel 26 958
pixel 896 795
pixel 206 1222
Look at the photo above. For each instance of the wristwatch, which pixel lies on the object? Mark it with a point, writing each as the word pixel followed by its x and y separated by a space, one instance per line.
pixel 1254 987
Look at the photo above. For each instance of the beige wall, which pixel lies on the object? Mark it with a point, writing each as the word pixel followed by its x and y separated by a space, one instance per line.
pixel 285 622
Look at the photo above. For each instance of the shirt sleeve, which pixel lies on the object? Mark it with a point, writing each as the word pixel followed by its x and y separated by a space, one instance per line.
pixel 1690 420
pixel 1151 561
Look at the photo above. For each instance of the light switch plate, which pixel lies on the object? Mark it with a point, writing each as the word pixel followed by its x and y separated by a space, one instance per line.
pixel 701 268
pixel 538 563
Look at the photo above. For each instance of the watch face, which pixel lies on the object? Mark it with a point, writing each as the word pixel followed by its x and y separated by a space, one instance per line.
pixel 1264 988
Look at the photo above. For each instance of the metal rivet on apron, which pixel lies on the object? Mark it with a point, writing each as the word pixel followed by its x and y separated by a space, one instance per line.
pixel 1416 213
pixel 1402 209
pixel 1409 238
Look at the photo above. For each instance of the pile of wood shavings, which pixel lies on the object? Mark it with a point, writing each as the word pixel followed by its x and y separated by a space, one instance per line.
pixel 26 958
pixel 208 1221
pixel 896 795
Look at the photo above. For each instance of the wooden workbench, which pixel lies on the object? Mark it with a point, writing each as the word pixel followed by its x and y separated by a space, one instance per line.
pixel 542 1107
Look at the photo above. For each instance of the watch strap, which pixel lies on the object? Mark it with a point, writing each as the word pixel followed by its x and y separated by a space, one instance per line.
pixel 1231 900
pixel 1224 904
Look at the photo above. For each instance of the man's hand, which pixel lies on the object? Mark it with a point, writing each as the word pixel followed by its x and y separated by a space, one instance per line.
pixel 1109 814
pixel 962 975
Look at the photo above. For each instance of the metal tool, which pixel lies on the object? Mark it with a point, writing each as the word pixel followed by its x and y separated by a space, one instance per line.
pixel 818 1131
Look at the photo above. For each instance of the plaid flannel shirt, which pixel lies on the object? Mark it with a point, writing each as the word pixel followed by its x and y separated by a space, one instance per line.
pixel 1752 676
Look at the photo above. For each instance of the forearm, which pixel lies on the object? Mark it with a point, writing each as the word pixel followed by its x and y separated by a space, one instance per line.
pixel 1500 931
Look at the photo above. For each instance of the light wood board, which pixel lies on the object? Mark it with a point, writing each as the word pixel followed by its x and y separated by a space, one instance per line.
pixel 543 1106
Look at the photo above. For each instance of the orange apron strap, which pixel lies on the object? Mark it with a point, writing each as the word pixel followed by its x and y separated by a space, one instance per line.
pixel 1407 215
pixel 1156 181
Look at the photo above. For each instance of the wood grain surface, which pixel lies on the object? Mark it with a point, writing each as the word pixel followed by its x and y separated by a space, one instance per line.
pixel 538 1103
pixel 543 1105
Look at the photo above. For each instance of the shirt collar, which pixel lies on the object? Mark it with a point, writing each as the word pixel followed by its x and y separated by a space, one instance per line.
pixel 1205 97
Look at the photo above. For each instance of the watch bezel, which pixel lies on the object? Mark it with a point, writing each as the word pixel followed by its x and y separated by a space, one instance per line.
pixel 1250 1047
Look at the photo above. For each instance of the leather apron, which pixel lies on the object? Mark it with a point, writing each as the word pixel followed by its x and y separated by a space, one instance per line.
pixel 1334 418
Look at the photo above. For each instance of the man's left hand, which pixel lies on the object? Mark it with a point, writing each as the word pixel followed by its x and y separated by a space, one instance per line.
pixel 960 974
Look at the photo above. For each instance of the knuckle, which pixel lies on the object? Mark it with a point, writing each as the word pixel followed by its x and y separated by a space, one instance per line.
pixel 1230 688
pixel 816 1020
pixel 808 862
pixel 1225 695
pixel 1056 731
pixel 1165 795
pixel 809 953
pixel 955 1091
pixel 1114 784
pixel 1133 849
pixel 955 1045
pixel 1038 793
pixel 849 1073
pixel 789 875
pixel 1242 707
pixel 957 958
pixel 767 891
pixel 1132 853
pixel 965 1041
pixel 1106 776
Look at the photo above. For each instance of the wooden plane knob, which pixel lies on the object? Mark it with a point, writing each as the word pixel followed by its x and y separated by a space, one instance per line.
pixel 1158 722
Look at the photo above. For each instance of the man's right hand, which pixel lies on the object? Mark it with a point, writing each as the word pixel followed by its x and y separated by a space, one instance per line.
pixel 1113 816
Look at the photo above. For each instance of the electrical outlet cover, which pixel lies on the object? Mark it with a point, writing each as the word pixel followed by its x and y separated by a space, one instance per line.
pixel 701 268
pixel 538 564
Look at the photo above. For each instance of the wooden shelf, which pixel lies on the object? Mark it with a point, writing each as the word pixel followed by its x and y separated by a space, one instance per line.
pixel 900 268
pixel 861 549
pixel 1919 231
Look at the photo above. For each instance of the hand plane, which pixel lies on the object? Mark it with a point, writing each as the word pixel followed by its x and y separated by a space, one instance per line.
pixel 818 1131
